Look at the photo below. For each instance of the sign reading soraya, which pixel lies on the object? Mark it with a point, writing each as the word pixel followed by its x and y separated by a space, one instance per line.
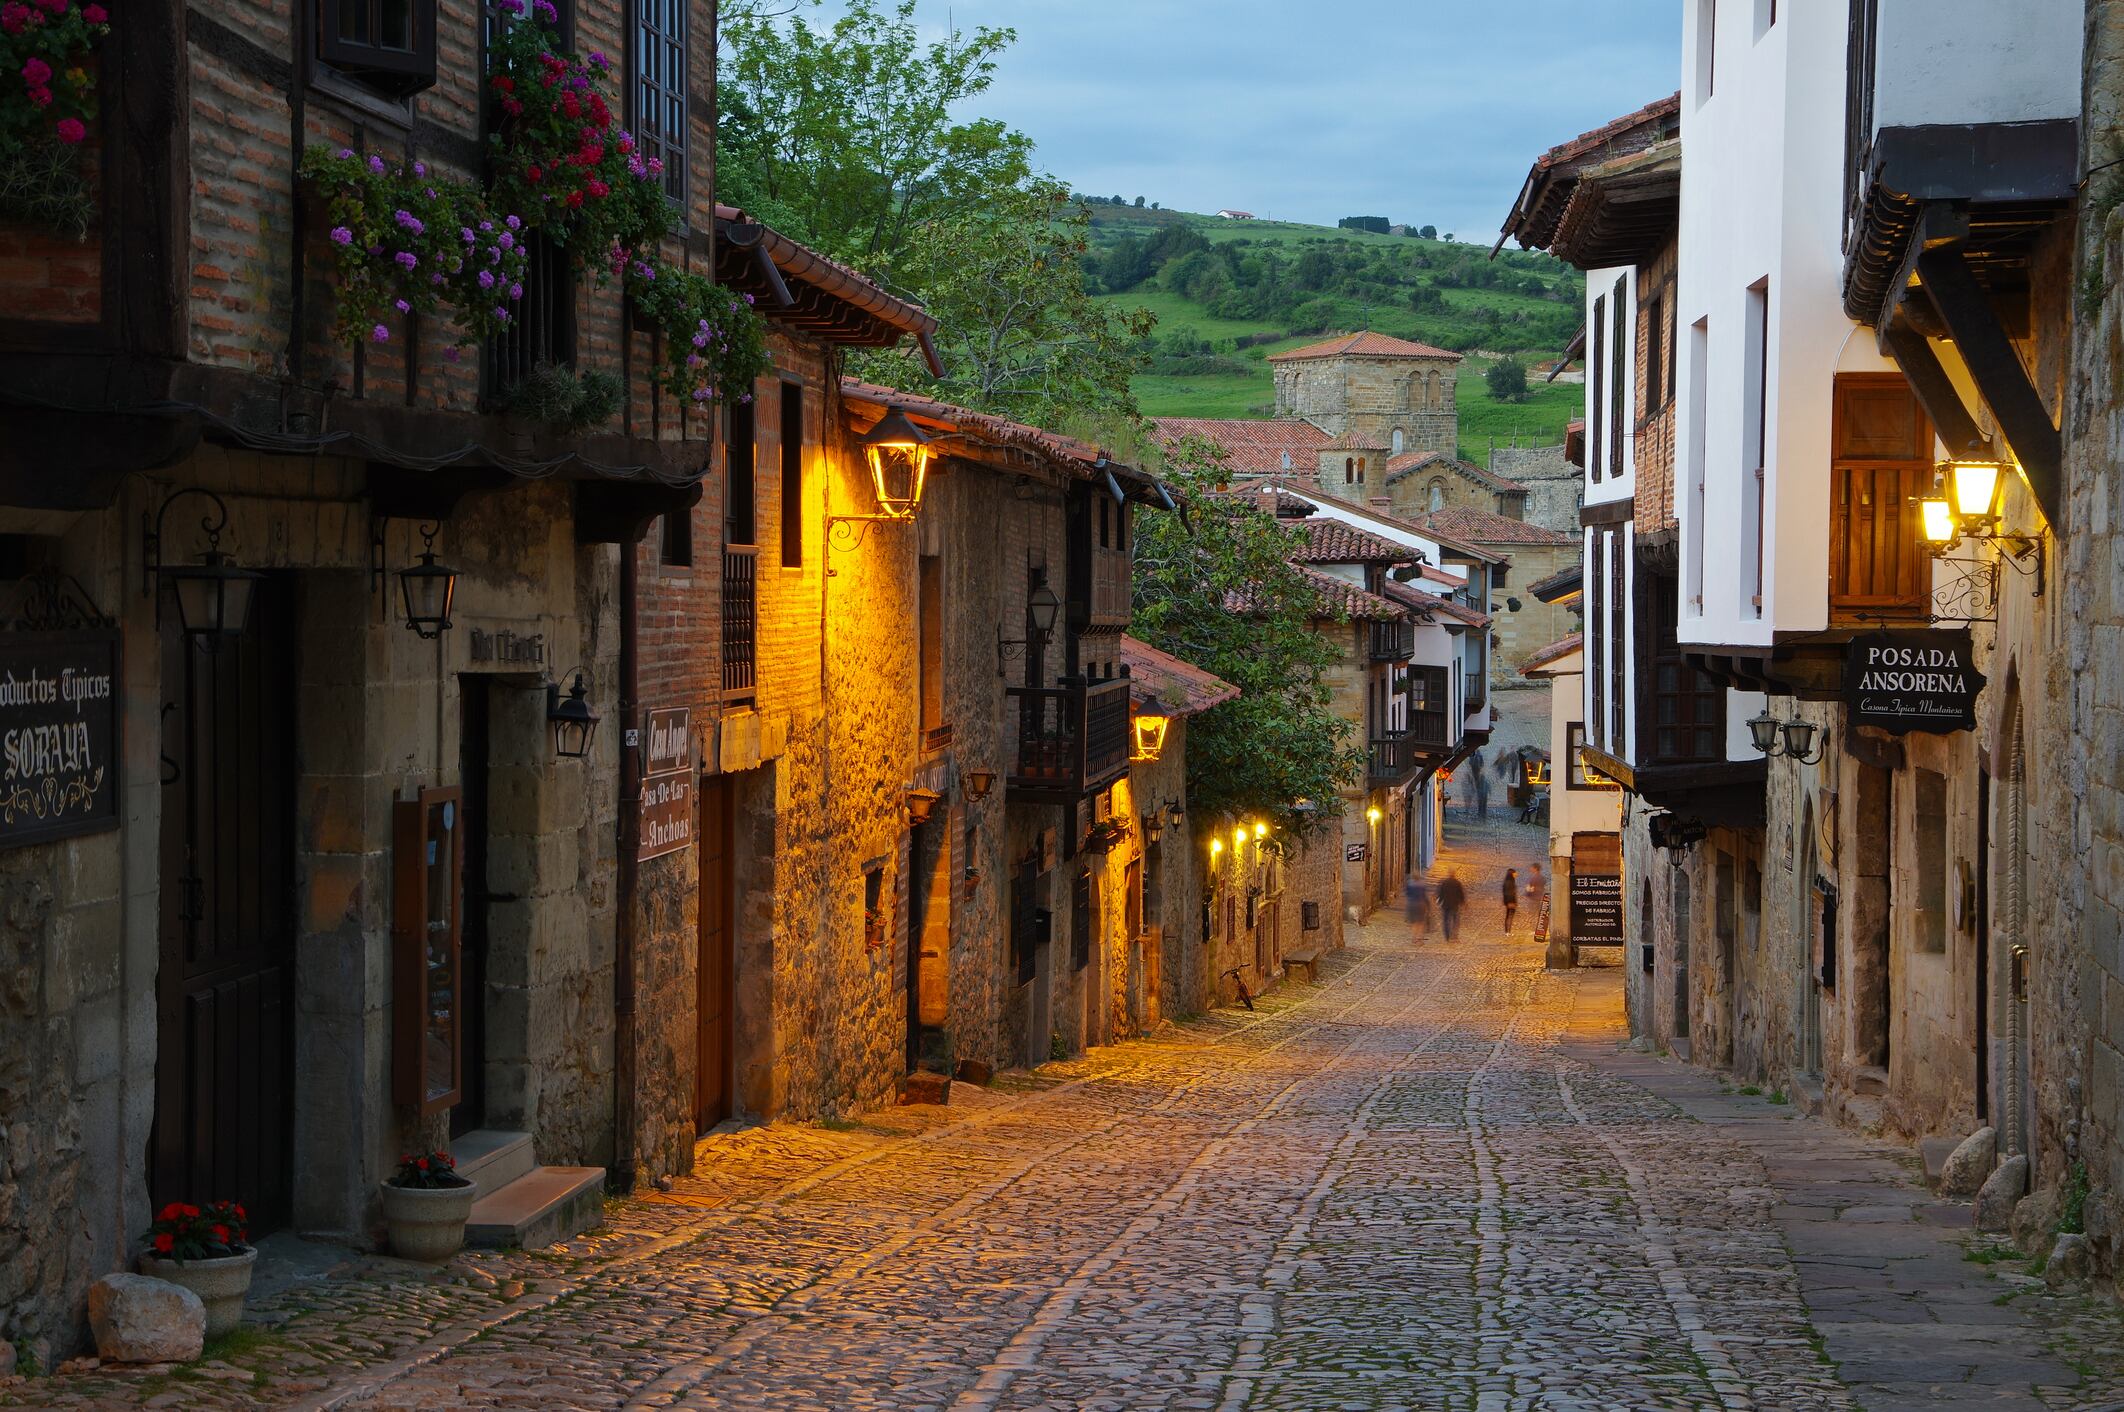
pixel 1913 681
pixel 58 735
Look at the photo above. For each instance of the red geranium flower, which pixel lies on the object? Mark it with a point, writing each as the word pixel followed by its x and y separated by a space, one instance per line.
pixel 221 1234
pixel 504 84
pixel 571 105
pixel 165 1243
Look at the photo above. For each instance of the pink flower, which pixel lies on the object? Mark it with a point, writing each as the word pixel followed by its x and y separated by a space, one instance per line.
pixel 36 73
pixel 94 14
pixel 14 18
pixel 42 97
pixel 71 130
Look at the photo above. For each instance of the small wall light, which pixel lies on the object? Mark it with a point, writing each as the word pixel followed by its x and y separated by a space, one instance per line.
pixel 428 589
pixel 1216 846
pixel 921 803
pixel 1149 737
pixel 1794 739
pixel 1260 830
pixel 213 595
pixel 1373 814
pixel 574 723
pixel 978 783
pixel 1174 813
pixel 1239 837
pixel 1936 520
pixel 1973 487
pixel 898 452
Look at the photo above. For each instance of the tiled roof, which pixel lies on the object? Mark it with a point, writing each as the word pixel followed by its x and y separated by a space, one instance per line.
pixel 1565 581
pixel 1543 657
pixel 1434 605
pixel 1553 179
pixel 1654 113
pixel 1353 601
pixel 1252 446
pixel 1318 496
pixel 1164 685
pixel 1409 461
pixel 1486 528
pixel 1082 458
pixel 1364 345
pixel 1407 464
pixel 1331 541
pixel 1273 500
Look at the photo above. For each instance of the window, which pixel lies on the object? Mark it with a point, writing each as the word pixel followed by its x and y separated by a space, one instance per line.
pixel 1349 469
pixel 677 539
pixel 387 44
pixel 792 475
pixel 1080 919
pixel 1028 920
pixel 1706 48
pixel 1880 466
pixel 877 926
pixel 1435 497
pixel 1132 899
pixel 1397 441
pixel 1693 547
pixel 1689 722
pixel 740 519
pixel 1596 367
pixel 660 84
pixel 1930 807
pixel 1655 331
pixel 542 333
pixel 1106 533
pixel 1618 381
pixel 1596 639
pixel 929 609
pixel 1765 16
pixel 1582 775
pixel 1618 644
pixel 1755 433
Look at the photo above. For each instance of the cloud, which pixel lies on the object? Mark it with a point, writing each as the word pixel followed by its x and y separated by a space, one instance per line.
pixel 1421 110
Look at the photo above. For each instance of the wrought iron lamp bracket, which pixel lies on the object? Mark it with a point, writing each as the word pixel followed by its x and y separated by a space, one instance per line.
pixel 151 531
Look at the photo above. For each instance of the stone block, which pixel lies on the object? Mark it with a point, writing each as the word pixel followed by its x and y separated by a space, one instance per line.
pixel 2071 1261
pixel 99 1045
pixel 141 1320
pixel 332 888
pixel 1970 1163
pixel 334 728
pixel 2035 1220
pixel 333 814
pixel 91 869
pixel 2000 1193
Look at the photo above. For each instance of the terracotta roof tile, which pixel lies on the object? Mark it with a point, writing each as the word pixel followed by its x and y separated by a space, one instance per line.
pixel 1543 657
pixel 1318 496
pixel 1434 605
pixel 1331 541
pixel 1338 597
pixel 1252 446
pixel 1083 458
pixel 1364 345
pixel 1486 528
pixel 1164 685
pixel 1272 499
pixel 1407 464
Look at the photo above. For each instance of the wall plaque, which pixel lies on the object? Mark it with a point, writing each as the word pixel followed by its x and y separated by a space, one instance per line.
pixel 670 744
pixel 1596 889
pixel 1925 680
pixel 58 734
pixel 1356 852
pixel 667 814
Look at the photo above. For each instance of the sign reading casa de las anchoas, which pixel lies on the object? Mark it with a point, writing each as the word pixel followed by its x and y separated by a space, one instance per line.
pixel 58 735
pixel 1913 681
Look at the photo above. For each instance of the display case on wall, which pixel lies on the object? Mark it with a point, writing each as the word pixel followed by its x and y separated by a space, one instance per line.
pixel 427 935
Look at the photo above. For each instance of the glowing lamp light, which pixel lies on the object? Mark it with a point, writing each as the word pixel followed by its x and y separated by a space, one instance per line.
pixel 1373 814
pixel 1974 486
pixel 1260 830
pixel 1936 519
pixel 1239 837
pixel 898 452
pixel 1216 846
pixel 1150 737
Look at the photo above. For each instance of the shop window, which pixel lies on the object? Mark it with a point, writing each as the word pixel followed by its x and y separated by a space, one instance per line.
pixel 387 45
pixel 660 84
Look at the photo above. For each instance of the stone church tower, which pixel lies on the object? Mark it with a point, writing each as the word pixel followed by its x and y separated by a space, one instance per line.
pixel 1372 390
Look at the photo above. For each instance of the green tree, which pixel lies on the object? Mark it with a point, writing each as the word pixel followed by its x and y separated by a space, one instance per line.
pixel 1017 331
pixel 1428 232
pixel 1215 586
pixel 1506 378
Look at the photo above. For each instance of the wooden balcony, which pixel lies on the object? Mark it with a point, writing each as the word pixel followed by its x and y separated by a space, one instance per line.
pixel 1112 572
pixel 741 620
pixel 1430 730
pixel 1393 642
pixel 1072 740
pixel 1394 758
pixel 1474 691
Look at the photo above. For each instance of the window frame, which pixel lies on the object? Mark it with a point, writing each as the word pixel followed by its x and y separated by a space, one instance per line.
pixel 398 73
pixel 653 139
pixel 792 454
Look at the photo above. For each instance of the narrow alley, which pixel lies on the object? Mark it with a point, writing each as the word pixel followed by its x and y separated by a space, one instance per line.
pixel 1434 1179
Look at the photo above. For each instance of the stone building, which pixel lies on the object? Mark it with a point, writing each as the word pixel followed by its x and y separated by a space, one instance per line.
pixel 1370 388
pixel 1420 482
pixel 1552 484
pixel 1518 554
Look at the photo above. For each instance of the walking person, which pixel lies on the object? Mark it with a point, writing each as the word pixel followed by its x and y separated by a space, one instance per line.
pixel 1511 897
pixel 1451 898
pixel 1416 907
pixel 1482 794
pixel 1537 890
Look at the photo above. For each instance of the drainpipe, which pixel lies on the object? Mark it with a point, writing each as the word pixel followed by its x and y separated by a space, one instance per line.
pixel 626 920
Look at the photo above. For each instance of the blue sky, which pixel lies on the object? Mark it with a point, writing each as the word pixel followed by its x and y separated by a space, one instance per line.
pixel 1419 110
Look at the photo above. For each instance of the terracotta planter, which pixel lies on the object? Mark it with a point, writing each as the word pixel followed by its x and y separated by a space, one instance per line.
pixel 428 1223
pixel 221 1284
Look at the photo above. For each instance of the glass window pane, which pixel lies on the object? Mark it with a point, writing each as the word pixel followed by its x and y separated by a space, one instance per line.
pixel 395 24
pixel 353 23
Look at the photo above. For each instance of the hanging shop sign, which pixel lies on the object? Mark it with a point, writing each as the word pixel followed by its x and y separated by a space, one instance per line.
pixel 667 784
pixel 1924 680
pixel 1596 889
pixel 58 734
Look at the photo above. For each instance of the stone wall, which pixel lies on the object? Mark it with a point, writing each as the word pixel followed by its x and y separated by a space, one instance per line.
pixel 1518 635
pixel 1554 486
pixel 1370 399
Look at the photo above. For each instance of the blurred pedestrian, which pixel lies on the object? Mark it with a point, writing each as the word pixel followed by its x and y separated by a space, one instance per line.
pixel 1482 794
pixel 1537 888
pixel 1451 898
pixel 1511 897
pixel 1416 906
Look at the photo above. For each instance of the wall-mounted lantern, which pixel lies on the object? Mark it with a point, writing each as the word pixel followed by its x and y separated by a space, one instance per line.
pixel 978 783
pixel 574 723
pixel 213 594
pixel 428 590
pixel 897 452
pixel 1174 814
pixel 1042 610
pixel 1149 737
pixel 921 804
pixel 1794 739
pixel 1153 824
pixel 1373 814
pixel 1967 508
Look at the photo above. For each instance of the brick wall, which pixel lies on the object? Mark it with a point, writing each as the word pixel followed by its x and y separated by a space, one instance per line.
pixel 1653 453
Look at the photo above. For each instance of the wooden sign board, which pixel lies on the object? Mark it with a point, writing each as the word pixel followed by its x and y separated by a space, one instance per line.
pixel 1596 889
pixel 1924 680
pixel 1356 852
pixel 58 735
pixel 667 815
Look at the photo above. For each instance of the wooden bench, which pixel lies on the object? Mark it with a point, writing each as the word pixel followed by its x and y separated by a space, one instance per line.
pixel 1308 959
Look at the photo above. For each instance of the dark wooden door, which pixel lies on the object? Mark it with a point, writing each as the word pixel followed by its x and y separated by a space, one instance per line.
pixel 715 969
pixel 222 1094
pixel 475 710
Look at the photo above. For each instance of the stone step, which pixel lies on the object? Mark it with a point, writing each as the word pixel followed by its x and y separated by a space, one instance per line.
pixel 545 1205
pixel 1935 1151
pixel 493 1157
pixel 1870 1080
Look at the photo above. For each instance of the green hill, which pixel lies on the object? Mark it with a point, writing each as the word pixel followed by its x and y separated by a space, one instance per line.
pixel 1229 293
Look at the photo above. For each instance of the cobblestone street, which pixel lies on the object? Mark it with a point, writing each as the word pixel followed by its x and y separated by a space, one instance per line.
pixel 1432 1180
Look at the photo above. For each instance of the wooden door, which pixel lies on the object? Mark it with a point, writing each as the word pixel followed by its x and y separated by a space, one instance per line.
pixel 715 978
pixel 222 1096
pixel 475 709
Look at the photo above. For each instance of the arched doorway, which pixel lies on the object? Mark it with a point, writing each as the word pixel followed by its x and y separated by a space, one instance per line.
pixel 2015 960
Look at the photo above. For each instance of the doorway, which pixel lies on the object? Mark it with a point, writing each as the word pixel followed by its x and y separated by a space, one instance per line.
pixel 2017 1082
pixel 1813 950
pixel 227 916
pixel 715 980
pixel 475 750
pixel 1683 924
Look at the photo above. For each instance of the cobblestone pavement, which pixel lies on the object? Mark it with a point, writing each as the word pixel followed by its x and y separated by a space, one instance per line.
pixel 1430 1181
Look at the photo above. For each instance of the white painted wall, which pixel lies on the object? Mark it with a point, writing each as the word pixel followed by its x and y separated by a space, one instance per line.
pixel 1604 287
pixel 1976 61
pixel 1572 810
pixel 1762 188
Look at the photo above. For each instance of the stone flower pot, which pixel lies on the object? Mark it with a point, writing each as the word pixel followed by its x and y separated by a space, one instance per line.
pixel 220 1283
pixel 428 1223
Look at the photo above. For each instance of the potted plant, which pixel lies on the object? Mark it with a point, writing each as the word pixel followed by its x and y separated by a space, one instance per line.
pixel 426 1206
pixel 1106 835
pixel 208 1251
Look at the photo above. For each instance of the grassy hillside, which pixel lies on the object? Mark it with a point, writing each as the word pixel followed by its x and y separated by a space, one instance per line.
pixel 1229 293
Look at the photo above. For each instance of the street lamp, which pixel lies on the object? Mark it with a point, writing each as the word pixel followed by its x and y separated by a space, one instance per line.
pixel 1174 813
pixel 1150 737
pixel 1042 610
pixel 1973 488
pixel 898 452
pixel 574 723
pixel 428 589
pixel 213 595
pixel 1794 738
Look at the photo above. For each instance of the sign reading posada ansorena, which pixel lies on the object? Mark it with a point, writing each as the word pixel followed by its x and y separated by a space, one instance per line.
pixel 58 735
pixel 1924 680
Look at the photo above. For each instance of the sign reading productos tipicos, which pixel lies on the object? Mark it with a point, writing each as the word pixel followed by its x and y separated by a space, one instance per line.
pixel 1913 681
pixel 58 735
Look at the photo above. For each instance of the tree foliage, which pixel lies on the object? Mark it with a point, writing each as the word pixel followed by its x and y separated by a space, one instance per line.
pixel 1278 745
pixel 1507 380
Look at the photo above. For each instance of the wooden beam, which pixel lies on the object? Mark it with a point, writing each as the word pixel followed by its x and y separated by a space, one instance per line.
pixel 1998 372
pixel 1935 391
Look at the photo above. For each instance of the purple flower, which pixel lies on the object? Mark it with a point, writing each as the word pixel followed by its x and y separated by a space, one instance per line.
pixel 435 279
pixel 507 241
pixel 380 334
pixel 486 225
pixel 404 307
pixel 409 221
pixel 598 58
pixel 700 394
pixel 466 232
pixel 512 7
pixel 748 299
pixel 516 291
pixel 486 279
pixel 700 340
pixel 544 9
pixel 420 169
pixel 512 222
pixel 501 315
pixel 342 236
pixel 376 165
pixel 451 352
pixel 345 152
pixel 407 259
pixel 430 192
